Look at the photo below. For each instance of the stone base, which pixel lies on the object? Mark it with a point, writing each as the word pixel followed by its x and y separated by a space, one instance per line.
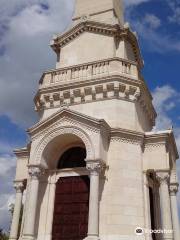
pixel 27 238
pixel 92 238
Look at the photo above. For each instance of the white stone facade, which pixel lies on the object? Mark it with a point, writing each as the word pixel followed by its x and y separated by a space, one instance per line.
pixel 97 99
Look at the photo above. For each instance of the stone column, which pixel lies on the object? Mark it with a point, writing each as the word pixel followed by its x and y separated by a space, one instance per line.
pixel 19 186
pixel 166 219
pixel 174 210
pixel 50 207
pixel 147 213
pixel 32 198
pixel 93 223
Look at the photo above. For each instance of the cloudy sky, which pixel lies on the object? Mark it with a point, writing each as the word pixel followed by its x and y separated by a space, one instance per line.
pixel 26 28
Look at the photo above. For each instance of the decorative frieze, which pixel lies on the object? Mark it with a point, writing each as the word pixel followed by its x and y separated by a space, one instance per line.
pixel 125 140
pixel 99 92
pixel 126 136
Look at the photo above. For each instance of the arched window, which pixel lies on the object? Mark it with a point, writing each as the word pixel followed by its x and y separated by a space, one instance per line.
pixel 72 158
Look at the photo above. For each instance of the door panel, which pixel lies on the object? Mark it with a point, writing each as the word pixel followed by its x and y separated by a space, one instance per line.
pixel 71 208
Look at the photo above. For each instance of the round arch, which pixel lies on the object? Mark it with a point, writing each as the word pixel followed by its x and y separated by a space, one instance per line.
pixel 55 142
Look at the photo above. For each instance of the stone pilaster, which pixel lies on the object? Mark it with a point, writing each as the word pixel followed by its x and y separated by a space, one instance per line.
pixel 19 186
pixel 173 188
pixel 94 169
pixel 29 226
pixel 163 178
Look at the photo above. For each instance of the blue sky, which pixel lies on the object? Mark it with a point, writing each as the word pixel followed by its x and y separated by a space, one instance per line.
pixel 26 27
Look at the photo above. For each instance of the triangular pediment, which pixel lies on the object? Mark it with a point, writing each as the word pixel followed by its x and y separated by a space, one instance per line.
pixel 72 116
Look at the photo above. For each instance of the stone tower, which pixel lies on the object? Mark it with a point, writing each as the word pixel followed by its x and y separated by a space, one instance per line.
pixel 94 169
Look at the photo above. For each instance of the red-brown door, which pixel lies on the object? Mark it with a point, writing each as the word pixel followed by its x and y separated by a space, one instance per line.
pixel 71 208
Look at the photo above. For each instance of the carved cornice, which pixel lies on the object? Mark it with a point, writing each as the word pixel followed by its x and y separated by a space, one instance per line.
pixel 88 91
pixel 22 152
pixel 127 136
pixel 160 139
pixel 100 28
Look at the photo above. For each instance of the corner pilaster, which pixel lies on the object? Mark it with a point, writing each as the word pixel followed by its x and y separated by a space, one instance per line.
pixel 94 168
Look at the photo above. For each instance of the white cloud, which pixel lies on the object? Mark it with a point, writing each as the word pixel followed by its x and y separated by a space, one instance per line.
pixel 134 2
pixel 29 28
pixel 7 162
pixel 152 21
pixel 153 38
pixel 7 172
pixel 26 28
pixel 164 99
pixel 175 8
pixel 148 28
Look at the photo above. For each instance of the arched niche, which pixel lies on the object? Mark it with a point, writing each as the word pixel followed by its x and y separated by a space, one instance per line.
pixel 59 146
pixel 56 141
pixel 73 157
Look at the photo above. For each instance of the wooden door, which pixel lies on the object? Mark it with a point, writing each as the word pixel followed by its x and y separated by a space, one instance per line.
pixel 71 208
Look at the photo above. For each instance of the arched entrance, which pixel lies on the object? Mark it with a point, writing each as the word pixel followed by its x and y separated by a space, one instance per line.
pixel 70 221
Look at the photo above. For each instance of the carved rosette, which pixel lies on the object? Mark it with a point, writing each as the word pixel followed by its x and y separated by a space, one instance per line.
pixel 35 172
pixel 95 167
pixel 173 189
pixel 163 177
pixel 19 186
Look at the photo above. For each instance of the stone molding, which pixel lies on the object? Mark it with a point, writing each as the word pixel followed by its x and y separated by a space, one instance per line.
pixel 125 140
pixel 94 93
pixel 151 147
pixel 22 153
pixel 126 136
pixel 69 118
pixel 162 138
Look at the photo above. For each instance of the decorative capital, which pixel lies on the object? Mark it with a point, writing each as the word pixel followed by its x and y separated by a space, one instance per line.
pixel 163 177
pixel 35 172
pixel 19 186
pixel 95 167
pixel 173 188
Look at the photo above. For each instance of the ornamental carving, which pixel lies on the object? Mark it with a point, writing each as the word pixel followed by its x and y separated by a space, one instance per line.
pixel 126 140
pixel 19 186
pixel 66 122
pixel 152 146
pixel 173 189
pixel 35 172
pixel 163 177
pixel 95 167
